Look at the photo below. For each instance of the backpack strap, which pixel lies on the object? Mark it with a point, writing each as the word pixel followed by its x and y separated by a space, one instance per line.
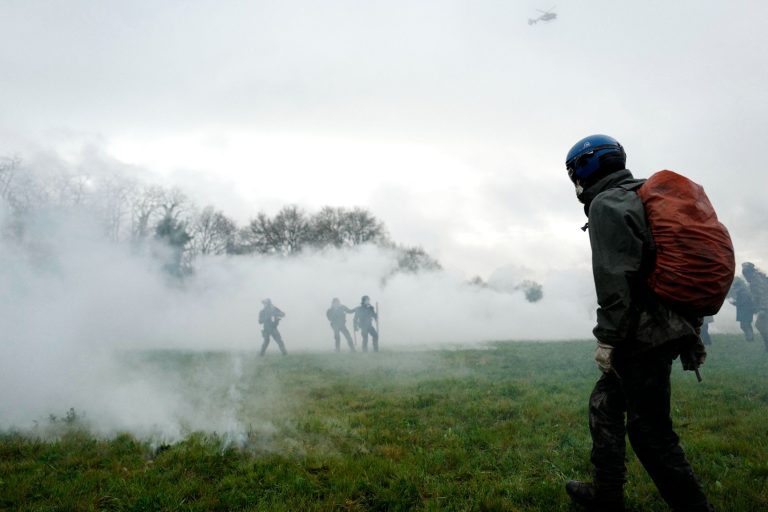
pixel 649 245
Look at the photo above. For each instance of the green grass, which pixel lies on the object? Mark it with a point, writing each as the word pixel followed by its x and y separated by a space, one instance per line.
pixel 496 428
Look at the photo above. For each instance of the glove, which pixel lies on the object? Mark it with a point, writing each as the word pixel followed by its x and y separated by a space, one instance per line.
pixel 693 354
pixel 603 357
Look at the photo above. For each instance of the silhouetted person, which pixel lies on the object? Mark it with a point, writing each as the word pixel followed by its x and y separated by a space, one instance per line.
pixel 364 317
pixel 758 288
pixel 637 339
pixel 337 315
pixel 745 308
pixel 269 318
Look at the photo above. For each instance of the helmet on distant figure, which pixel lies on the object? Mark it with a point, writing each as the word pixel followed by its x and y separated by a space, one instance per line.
pixel 592 158
pixel 365 300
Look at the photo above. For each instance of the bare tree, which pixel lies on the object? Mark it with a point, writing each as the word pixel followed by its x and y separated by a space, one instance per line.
pixel 416 259
pixel 175 203
pixel 411 260
pixel 212 232
pixel 145 209
pixel 285 234
pixel 114 193
pixel 257 236
pixel 291 229
pixel 22 189
pixel 68 189
pixel 361 227
pixel 340 227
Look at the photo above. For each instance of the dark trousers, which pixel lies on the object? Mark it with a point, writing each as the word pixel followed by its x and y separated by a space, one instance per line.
pixel 337 331
pixel 275 335
pixel 746 327
pixel 365 331
pixel 641 390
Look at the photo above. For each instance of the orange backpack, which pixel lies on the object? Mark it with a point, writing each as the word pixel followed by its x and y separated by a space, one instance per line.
pixel 695 263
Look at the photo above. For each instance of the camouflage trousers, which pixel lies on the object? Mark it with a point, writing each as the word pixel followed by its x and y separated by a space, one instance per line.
pixel 275 335
pixel 635 401
pixel 337 332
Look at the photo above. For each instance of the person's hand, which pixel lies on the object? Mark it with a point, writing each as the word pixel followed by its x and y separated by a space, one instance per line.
pixel 603 353
pixel 693 354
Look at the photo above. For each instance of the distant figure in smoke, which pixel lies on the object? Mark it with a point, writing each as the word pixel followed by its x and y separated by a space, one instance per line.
pixel 269 318
pixel 337 315
pixel 758 288
pixel 705 337
pixel 364 317
pixel 637 339
pixel 745 307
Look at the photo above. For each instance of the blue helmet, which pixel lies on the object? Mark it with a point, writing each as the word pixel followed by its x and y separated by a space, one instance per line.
pixel 593 157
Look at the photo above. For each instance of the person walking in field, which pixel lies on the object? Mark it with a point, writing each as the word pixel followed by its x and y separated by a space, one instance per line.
pixel 365 314
pixel 758 289
pixel 269 318
pixel 638 336
pixel 745 307
pixel 337 315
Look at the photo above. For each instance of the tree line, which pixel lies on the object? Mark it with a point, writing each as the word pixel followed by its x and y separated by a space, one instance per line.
pixel 144 215
pixel 128 210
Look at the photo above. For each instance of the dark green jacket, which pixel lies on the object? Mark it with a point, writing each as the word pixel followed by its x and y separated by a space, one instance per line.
pixel 629 316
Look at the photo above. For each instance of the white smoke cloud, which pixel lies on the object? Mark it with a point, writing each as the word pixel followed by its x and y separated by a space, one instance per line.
pixel 81 319
pixel 98 327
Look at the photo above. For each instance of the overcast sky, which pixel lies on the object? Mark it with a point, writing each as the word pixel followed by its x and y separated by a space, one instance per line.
pixel 449 120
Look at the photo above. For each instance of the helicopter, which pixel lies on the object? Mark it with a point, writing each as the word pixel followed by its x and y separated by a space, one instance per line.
pixel 547 15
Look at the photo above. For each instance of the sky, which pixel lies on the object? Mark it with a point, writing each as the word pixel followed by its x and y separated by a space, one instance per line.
pixel 449 120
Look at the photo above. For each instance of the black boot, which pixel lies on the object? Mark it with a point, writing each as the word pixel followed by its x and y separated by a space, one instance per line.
pixel 595 498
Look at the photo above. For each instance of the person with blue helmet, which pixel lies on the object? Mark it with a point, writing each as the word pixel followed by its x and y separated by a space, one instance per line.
pixel 592 158
pixel 637 335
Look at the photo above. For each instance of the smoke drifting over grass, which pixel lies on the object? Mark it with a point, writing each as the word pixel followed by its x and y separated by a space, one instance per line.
pixel 87 324
pixel 78 312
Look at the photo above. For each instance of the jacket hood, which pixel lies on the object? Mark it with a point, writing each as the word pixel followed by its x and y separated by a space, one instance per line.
pixel 613 180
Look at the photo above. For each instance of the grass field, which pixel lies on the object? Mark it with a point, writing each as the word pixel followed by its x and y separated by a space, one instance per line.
pixel 500 427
